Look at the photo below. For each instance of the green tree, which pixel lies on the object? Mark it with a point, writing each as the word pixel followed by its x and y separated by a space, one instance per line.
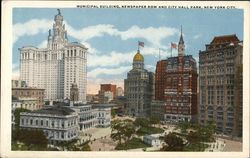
pixel 113 113
pixel 17 115
pixel 193 137
pixel 173 143
pixel 154 120
pixel 142 122
pixel 122 130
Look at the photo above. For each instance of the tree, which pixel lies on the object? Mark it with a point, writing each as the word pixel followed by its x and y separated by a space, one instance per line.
pixel 173 143
pixel 193 137
pixel 122 130
pixel 154 120
pixel 142 122
pixel 113 113
pixel 17 115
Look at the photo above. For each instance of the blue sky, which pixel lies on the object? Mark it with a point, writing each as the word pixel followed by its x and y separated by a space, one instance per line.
pixel 112 34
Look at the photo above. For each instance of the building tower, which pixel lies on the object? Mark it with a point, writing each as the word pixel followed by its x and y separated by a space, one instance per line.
pixel 181 45
pixel 220 74
pixel 53 68
pixel 138 88
pixel 176 85
pixel 74 94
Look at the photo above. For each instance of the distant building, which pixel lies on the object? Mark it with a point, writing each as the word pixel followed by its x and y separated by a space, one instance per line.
pixel 139 88
pixel 152 140
pixel 104 92
pixel 220 71
pixel 158 109
pixel 57 66
pixel 58 123
pixel 26 93
pixel 18 84
pixel 119 92
pixel 176 85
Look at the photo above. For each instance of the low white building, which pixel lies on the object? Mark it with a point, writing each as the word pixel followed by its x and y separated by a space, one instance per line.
pixel 25 103
pixel 87 116
pixel 152 140
pixel 58 123
pixel 103 114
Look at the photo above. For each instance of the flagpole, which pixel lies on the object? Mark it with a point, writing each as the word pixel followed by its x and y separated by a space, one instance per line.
pixel 171 50
pixel 159 54
pixel 138 46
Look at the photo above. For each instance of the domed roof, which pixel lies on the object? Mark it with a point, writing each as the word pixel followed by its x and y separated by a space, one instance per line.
pixel 138 57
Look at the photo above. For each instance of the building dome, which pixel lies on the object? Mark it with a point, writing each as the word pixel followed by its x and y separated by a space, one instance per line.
pixel 138 57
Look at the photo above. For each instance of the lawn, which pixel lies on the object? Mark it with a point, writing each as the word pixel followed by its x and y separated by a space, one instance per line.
pixel 134 143
pixel 196 147
pixel 149 130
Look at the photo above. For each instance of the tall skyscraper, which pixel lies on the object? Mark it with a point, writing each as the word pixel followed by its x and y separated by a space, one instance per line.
pixel 220 73
pixel 176 85
pixel 139 88
pixel 57 66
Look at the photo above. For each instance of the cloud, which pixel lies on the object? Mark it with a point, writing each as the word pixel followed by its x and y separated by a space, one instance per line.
pixel 154 35
pixel 197 36
pixel 108 71
pixel 15 72
pixel 43 44
pixel 150 67
pixel 111 59
pixel 31 28
pixel 90 32
pixel 151 34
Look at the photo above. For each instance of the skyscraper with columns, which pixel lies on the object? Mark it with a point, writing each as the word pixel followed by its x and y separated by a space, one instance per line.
pixel 57 66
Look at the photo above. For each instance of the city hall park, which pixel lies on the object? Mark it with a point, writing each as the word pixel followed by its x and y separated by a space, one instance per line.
pixel 127 133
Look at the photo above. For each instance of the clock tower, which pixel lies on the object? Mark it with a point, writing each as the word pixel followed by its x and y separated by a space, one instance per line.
pixel 181 46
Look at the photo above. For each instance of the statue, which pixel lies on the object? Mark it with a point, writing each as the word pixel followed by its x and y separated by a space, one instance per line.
pixel 59 11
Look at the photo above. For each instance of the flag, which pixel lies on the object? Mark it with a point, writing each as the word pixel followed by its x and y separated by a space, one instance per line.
pixel 173 45
pixel 141 43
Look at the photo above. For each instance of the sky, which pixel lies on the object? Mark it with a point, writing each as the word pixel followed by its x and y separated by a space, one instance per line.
pixel 112 35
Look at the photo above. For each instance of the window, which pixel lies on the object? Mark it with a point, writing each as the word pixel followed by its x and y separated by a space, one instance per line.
pixel 41 122
pixel 31 121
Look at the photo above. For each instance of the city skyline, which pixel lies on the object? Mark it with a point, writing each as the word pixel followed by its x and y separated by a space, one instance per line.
pixel 112 42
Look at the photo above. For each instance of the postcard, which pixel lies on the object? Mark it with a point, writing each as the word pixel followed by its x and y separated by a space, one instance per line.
pixel 119 79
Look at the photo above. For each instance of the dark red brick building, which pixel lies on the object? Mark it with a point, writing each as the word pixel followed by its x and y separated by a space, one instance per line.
pixel 106 88
pixel 176 85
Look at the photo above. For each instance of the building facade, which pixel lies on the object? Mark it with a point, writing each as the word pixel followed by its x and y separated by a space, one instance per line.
pixel 87 116
pixel 220 70
pixel 57 66
pixel 103 115
pixel 119 92
pixel 107 88
pixel 58 123
pixel 158 109
pixel 139 88
pixel 176 85
pixel 27 93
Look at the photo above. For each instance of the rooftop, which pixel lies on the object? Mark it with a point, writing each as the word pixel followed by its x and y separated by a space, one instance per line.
pixel 225 39
pixel 55 110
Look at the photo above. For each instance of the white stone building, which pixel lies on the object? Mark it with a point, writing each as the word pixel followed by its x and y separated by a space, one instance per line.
pixel 103 114
pixel 58 123
pixel 57 66
pixel 87 116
